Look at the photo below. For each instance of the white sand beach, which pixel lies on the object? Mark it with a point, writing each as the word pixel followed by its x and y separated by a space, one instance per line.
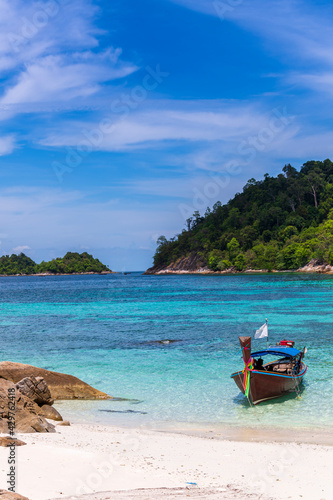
pixel 101 462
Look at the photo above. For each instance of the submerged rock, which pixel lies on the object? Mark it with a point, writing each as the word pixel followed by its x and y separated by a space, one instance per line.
pixel 125 411
pixel 161 342
pixel 61 385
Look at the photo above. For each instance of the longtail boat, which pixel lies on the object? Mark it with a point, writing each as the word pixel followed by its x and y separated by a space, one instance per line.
pixel 283 374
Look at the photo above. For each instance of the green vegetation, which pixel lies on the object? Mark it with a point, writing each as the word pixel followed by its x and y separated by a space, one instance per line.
pixel 71 263
pixel 279 223
pixel 16 264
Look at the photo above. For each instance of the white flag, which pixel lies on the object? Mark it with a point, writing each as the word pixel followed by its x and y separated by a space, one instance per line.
pixel 262 332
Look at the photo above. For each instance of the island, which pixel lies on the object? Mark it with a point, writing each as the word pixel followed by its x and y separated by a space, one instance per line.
pixel 282 223
pixel 71 263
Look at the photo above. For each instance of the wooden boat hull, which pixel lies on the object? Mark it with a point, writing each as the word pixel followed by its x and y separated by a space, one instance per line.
pixel 266 385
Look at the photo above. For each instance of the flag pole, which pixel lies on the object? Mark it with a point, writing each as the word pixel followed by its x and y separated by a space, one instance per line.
pixel 267 332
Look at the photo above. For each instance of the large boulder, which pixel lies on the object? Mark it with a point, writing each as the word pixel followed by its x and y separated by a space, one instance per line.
pixel 17 409
pixel 61 386
pixel 35 389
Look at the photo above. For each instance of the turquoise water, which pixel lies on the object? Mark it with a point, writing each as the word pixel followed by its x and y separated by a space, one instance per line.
pixel 105 330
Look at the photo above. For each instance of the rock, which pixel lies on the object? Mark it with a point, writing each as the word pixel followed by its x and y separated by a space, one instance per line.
pixel 193 263
pixel 47 411
pixel 8 495
pixel 26 415
pixel 316 266
pixel 61 386
pixel 65 423
pixel 6 441
pixel 35 389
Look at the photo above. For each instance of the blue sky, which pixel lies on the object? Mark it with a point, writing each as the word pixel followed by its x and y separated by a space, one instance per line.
pixel 119 119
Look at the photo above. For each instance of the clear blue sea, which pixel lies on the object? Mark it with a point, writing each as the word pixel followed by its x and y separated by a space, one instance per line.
pixel 105 330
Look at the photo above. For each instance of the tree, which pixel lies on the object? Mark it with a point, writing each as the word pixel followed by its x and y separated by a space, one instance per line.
pixel 274 222
pixel 240 262
pixel 233 247
pixel 315 179
pixel 215 256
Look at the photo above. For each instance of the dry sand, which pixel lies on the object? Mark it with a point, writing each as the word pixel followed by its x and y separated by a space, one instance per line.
pixel 82 460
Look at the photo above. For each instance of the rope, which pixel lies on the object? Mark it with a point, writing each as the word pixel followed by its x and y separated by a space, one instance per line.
pixel 246 370
pixel 295 379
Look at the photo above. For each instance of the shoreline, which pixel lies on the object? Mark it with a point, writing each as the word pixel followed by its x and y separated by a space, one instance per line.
pixel 180 267
pixel 96 458
pixel 317 435
pixel 103 273
pixel 167 272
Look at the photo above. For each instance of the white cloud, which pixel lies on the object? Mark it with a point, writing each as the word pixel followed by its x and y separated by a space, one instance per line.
pixel 21 248
pixel 53 78
pixel 7 145
pixel 49 53
pixel 144 128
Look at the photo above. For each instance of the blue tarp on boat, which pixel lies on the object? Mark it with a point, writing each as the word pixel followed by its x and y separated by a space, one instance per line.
pixel 289 352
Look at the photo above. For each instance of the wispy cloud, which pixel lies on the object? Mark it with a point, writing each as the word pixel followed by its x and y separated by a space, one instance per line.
pixel 7 144
pixel 50 53
pixel 55 78
pixel 191 121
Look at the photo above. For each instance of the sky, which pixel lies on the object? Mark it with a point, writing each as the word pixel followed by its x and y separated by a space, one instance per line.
pixel 119 119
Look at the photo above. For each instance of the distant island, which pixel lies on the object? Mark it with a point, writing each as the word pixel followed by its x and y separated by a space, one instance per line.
pixel 278 223
pixel 71 263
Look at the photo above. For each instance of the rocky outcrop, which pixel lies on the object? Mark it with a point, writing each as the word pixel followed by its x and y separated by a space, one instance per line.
pixel 18 412
pixel 61 385
pixel 193 263
pixel 35 389
pixel 316 266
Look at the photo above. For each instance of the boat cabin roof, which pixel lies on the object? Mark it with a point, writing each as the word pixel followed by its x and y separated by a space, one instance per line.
pixel 285 351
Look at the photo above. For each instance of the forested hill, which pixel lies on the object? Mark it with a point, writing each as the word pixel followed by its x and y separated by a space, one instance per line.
pixel 71 263
pixel 278 223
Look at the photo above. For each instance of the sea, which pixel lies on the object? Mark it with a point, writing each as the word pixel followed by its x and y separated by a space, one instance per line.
pixel 165 346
